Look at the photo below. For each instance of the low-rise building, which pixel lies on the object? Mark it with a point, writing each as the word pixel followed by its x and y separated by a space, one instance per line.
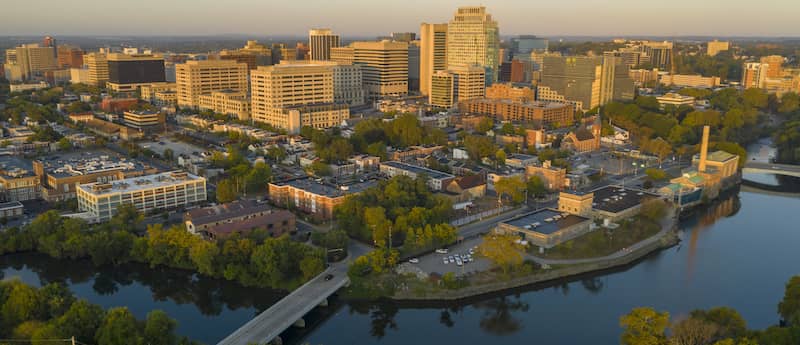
pixel 549 113
pixel 412 153
pixel 148 194
pixel 227 102
pixel 17 180
pixel 675 99
pixel 28 87
pixel 546 228
pixel 689 80
pixel 144 120
pixel 240 217
pixel 437 180
pixel 315 198
pixel 466 188
pixel 520 160
pixel 554 178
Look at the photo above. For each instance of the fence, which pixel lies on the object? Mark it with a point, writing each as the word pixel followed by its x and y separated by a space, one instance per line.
pixel 473 217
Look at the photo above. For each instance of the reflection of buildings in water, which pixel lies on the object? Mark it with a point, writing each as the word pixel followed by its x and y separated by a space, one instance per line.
pixel 720 209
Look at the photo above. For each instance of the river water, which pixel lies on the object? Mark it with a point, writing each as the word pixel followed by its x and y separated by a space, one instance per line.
pixel 739 252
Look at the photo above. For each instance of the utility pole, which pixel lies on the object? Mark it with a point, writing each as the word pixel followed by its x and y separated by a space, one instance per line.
pixel 73 340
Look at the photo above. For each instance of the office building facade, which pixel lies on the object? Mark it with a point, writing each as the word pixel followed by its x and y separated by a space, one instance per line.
pixel 128 72
pixel 433 53
pixel 320 42
pixel 197 78
pixel 473 38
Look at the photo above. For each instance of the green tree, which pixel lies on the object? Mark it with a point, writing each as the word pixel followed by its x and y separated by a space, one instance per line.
pixel 502 250
pixel 478 147
pixel 484 125
pixel 64 144
pixel 789 307
pixel 159 329
pixel 226 191
pixel 311 266
pixel 500 157
pixel 790 103
pixel 514 187
pixel 644 326
pixel 536 186
pixel 81 320
pixel 119 327
pixel 168 155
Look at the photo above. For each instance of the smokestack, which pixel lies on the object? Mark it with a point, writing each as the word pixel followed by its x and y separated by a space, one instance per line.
pixel 704 150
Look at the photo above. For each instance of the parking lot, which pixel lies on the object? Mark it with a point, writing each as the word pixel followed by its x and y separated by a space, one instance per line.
pixel 177 147
pixel 433 262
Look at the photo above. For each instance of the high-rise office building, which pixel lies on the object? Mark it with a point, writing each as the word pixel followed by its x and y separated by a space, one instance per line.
pixel 775 69
pixel 715 47
pixel 755 75
pixel 348 84
pixel 253 54
pixel 196 78
pixel 97 64
pixel 32 59
pixel 384 66
pixel 442 90
pixel 404 36
pixel 660 53
pixel 523 45
pixel 586 82
pixel 473 38
pixel 127 72
pixel 470 82
pixel 294 94
pixel 433 53
pixel 69 56
pixel 413 66
pixel 320 41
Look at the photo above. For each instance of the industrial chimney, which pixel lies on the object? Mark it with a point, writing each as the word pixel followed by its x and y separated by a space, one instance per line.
pixel 704 150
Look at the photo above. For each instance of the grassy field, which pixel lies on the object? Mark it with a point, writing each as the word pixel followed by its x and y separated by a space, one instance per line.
pixel 602 242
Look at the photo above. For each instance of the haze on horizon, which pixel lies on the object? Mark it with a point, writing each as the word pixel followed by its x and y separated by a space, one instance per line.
pixel 718 18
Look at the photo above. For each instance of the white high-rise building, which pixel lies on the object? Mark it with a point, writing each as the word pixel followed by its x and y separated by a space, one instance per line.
pixel 432 53
pixel 473 38
pixel 196 78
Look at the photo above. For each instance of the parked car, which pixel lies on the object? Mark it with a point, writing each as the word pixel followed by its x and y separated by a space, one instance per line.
pixel 328 277
pixel 445 261
pixel 459 262
pixel 441 251
pixel 414 260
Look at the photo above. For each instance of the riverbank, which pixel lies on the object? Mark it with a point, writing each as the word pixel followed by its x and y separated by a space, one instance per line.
pixel 666 239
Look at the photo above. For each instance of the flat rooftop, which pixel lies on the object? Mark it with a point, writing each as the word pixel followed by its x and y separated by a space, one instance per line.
pixel 13 166
pixel 546 221
pixel 434 174
pixel 141 183
pixel 87 162
pixel 326 189
pixel 616 199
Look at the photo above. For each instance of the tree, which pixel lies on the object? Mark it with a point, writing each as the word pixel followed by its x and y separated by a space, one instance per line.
pixel 321 169
pixel 276 153
pixel 654 209
pixel 311 266
pixel 159 329
pixel 375 218
pixel 503 250
pixel 22 303
pixel 119 327
pixel 513 186
pixel 500 157
pixel 258 177
pixel 644 326
pixel 81 320
pixel 168 155
pixel 693 331
pixel 789 307
pixel 536 186
pixel 790 103
pixel 226 191
pixel 64 144
pixel 478 147
pixel 656 174
pixel 729 322
pixel 484 125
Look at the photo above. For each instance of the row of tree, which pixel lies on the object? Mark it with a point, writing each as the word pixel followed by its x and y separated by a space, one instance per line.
pixel 256 260
pixel 43 315
pixel 717 326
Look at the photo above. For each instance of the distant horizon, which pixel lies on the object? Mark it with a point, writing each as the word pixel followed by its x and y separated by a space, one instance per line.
pixel 352 18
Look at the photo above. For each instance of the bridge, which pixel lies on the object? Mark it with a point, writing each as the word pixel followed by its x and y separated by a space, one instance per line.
pixel 771 168
pixel 268 325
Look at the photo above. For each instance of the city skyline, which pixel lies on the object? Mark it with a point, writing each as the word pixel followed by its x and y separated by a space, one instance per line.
pixel 352 18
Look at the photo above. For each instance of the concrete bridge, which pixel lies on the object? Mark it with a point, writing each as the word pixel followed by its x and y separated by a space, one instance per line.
pixel 771 168
pixel 290 310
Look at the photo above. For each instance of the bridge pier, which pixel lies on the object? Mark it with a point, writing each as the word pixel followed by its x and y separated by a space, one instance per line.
pixel 324 303
pixel 300 323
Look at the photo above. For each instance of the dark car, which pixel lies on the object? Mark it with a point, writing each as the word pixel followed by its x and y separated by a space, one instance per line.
pixel 328 277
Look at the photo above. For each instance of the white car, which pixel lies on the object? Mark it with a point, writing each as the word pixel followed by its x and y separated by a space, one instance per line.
pixel 459 262
pixel 445 261
pixel 441 251
pixel 414 261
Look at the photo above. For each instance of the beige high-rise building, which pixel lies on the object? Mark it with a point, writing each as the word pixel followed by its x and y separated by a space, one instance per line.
pixel 755 75
pixel 348 84
pixel 320 42
pixel 227 102
pixel 470 82
pixel 97 63
pixel 432 53
pixel 384 66
pixel 343 54
pixel 442 90
pixel 775 62
pixel 473 38
pixel 196 78
pixel 715 47
pixel 32 59
pixel 294 94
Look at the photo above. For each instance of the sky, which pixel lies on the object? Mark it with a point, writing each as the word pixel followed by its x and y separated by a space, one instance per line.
pixel 717 18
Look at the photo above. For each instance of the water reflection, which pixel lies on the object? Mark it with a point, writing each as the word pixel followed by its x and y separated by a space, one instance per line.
pixel 498 318
pixel 210 296
pixel 727 206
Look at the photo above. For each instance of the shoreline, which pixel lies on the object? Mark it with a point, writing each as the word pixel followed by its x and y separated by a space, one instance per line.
pixel 668 240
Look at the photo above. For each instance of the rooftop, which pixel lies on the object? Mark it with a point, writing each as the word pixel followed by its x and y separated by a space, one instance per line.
pixel 139 183
pixel 546 221
pixel 310 185
pixel 616 199
pixel 252 223
pixel 434 174
pixel 15 167
pixel 225 211
pixel 87 162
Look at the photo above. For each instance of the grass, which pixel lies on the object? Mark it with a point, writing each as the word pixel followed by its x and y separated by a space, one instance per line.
pixel 602 242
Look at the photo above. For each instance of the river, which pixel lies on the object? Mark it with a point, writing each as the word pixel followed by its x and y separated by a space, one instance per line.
pixel 739 252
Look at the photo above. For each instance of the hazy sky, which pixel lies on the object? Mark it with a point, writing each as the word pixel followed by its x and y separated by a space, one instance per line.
pixel 376 17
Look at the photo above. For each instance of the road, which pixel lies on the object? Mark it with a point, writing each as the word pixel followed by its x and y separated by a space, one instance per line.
pixel 771 168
